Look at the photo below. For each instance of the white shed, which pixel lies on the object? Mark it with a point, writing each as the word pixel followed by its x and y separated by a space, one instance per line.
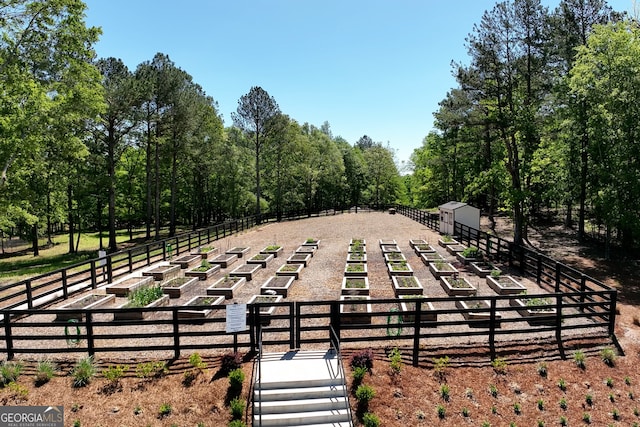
pixel 453 212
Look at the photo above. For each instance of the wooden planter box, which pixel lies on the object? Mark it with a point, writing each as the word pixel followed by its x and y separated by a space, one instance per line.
pixel 423 248
pixel 246 270
pixel 311 242
pixel 454 249
pixel 122 288
pixel 457 287
pixel 278 284
pixel 445 243
pixel 162 272
pixel 479 319
pixel 483 268
pixel 238 251
pixel 390 249
pixel 394 256
pixel 442 269
pixel 358 314
pixel 356 257
pixel 203 274
pixel 273 250
pixel 306 249
pixel 467 260
pixel 262 259
pixel 406 285
pixel 200 300
pixel 206 252
pixel 358 242
pixel 355 269
pixel 299 258
pixel 292 270
pixel 225 286
pixel 399 268
pixel 355 286
pixel 426 311
pixel 186 261
pixel 133 314
pixel 505 285
pixel 266 310
pixel 428 257
pixel 87 302
pixel 175 287
pixel 414 242
pixel 224 260
pixel 385 242
pixel 537 316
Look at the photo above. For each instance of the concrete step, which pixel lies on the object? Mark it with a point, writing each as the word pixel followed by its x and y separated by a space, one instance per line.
pixel 268 395
pixel 301 405
pixel 326 418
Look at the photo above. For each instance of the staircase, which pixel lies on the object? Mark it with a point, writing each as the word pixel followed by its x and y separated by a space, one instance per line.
pixel 301 388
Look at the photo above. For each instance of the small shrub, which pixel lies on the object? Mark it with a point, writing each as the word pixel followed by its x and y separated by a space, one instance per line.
pixel 540 404
pixel 18 391
pixel 608 356
pixel 609 382
pixel 76 423
pixel 237 407
pixel 589 399
pixel 465 412
pixel 370 420
pixel 237 423
pixel 363 358
pixel 493 390
pixel 189 377
pixel 444 392
pixel 542 369
pixel 84 371
pixel 562 385
pixel 469 393
pixel 113 374
pixel 486 424
pixel 196 361
pixel 579 359
pixel 147 370
pixel 627 380
pixel 517 408
pixel 358 374
pixel 499 365
pixel 164 410
pixel 10 372
pixel 494 410
pixel 586 417
pixel 442 411
pixel 540 423
pixel 45 370
pixel 440 367
pixel 364 394
pixel 236 378
pixel 230 361
pixel 563 420
pixel 563 403
pixel 612 398
pixel 137 410
pixel 615 414
pixel 395 358
pixel 636 412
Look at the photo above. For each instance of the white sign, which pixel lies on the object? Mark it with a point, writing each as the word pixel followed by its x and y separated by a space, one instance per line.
pixel 236 317
pixel 102 258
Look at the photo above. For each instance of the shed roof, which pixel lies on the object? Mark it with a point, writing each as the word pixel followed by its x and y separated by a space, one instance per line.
pixel 452 205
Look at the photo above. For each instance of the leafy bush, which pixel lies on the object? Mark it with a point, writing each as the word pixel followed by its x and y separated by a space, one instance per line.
pixel 370 420
pixel 45 370
pixel 230 361
pixel 144 296
pixel 542 369
pixel 608 356
pixel 364 394
pixel 363 359
pixel 196 361
pixel 84 371
pixel 237 423
pixel 442 411
pixel 396 360
pixel 113 374
pixel 358 374
pixel 164 410
pixel 147 370
pixel 440 366
pixel 236 378
pixel 471 252
pixel 237 406
pixel 579 359
pixel 499 365
pixel 10 372
pixel 444 391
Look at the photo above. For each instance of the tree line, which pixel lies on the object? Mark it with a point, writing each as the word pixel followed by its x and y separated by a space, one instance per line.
pixel 94 145
pixel 545 114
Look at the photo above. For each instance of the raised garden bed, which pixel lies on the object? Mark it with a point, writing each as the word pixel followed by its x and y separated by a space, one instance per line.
pixel 399 268
pixel 414 242
pixel 224 260
pixel 186 261
pixel 441 268
pixel 85 303
pixel 246 270
pixel 225 286
pixel 124 287
pixel 356 257
pixel 394 256
pixel 204 271
pixel 351 313
pixel 200 300
pixel 292 270
pixel 273 250
pixel 238 251
pixel 299 258
pixel 537 310
pixel 470 254
pixel 355 269
pixel 311 242
pixel 457 286
pixel 262 259
pixel 422 248
pixel 454 249
pixel 277 284
pixel 505 285
pixel 428 257
pixel 206 252
pixel 427 314
pixel 162 272
pixel 389 248
pixel 355 286
pixel 384 242
pixel 306 249
pixel 479 319
pixel 484 268
pixel 176 287
pixel 445 241
pixel 406 285
pixel 134 313
pixel 265 309
pixel 358 242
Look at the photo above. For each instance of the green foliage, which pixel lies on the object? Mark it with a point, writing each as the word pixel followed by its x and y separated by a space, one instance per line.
pixel 18 391
pixel 237 407
pixel 563 420
pixel 465 412
pixel 370 420
pixel 540 404
pixel 608 356
pixel 579 359
pixel 444 391
pixel 562 384
pixel 196 361
pixel 144 296
pixel 563 403
pixel 10 372
pixel 499 365
pixel 364 394
pixel 395 358
pixel 440 367
pixel 442 411
pixel 542 369
pixel 589 399
pixel 165 410
pixel 236 379
pixel 84 371
pixel 471 252
pixel 493 390
pixel 237 423
pixel 609 382
pixel 45 370
pixel 113 374
pixel 517 408
pixel 148 370
pixel 586 417
pixel 358 374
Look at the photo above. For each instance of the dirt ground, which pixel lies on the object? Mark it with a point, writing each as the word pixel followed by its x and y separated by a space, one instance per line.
pixel 410 398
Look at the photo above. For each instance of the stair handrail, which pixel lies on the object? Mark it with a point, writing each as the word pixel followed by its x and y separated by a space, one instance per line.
pixel 259 377
pixel 334 342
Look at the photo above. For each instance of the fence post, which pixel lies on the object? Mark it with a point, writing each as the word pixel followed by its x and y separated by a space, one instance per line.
pixel 176 333
pixel 292 320
pixel 492 329
pixel 109 269
pixel 130 260
pixel 27 285
pixel 8 338
pixel 89 327
pixel 148 254
pixel 65 291
pixel 93 275
pixel 296 306
pixel 335 317
pixel 559 319
pixel 416 332
pixel 539 268
pixel 612 313
pixel 557 287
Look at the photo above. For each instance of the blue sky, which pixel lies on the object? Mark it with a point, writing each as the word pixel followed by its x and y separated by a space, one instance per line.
pixel 368 67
